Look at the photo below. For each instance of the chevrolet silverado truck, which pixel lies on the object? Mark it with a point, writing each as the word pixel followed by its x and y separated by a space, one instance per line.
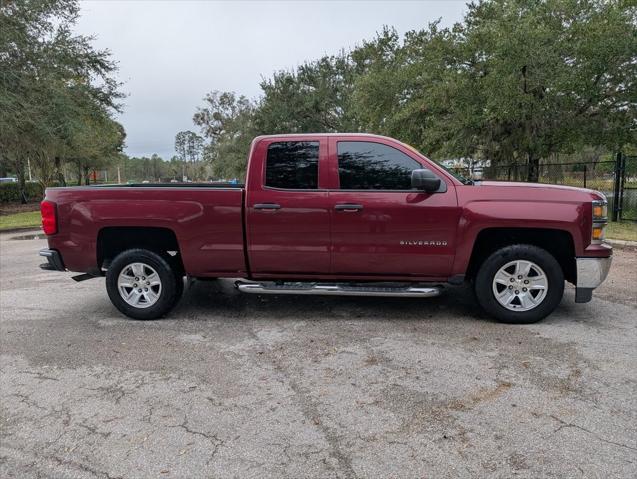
pixel 334 214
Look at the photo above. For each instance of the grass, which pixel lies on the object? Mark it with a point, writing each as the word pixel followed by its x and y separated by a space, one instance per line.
pixel 621 231
pixel 20 220
pixel 626 230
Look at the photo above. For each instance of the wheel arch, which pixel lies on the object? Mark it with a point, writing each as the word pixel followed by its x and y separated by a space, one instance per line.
pixel 112 240
pixel 559 243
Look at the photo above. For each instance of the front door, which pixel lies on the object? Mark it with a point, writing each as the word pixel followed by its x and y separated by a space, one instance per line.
pixel 288 214
pixel 380 226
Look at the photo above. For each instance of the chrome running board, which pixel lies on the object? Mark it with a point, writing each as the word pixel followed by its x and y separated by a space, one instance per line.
pixel 338 289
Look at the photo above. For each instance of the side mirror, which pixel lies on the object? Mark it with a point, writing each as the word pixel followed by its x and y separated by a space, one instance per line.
pixel 425 180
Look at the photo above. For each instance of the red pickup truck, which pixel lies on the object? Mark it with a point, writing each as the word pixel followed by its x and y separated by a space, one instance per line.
pixel 337 214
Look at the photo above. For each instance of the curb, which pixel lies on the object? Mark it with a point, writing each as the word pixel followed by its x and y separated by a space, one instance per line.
pixel 21 229
pixel 622 243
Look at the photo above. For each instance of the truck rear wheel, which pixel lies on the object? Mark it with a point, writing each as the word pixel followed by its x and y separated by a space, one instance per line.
pixel 142 285
pixel 520 284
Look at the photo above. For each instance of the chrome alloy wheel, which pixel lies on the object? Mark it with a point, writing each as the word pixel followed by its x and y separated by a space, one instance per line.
pixel 139 285
pixel 520 285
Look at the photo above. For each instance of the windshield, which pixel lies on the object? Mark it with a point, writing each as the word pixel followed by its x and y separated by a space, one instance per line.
pixel 455 174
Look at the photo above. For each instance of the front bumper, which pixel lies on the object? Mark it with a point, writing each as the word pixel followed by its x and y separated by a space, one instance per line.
pixel 54 260
pixel 591 272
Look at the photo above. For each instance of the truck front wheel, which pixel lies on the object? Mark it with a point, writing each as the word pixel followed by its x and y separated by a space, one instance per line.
pixel 142 285
pixel 519 284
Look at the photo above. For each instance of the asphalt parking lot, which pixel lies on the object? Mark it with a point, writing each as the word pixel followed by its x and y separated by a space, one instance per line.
pixel 234 385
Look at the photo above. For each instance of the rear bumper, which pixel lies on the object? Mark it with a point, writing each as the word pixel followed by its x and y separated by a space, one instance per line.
pixel 591 272
pixel 54 260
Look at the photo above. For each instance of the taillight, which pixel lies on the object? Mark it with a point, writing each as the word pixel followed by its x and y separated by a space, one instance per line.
pixel 49 217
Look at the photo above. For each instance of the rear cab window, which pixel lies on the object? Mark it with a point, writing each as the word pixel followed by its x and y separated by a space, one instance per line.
pixel 292 165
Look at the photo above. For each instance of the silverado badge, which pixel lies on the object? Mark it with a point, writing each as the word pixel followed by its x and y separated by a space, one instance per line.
pixel 422 243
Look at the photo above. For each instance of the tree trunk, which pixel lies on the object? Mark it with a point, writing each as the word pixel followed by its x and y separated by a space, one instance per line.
pixel 19 170
pixel 58 171
pixel 79 174
pixel 533 174
pixel 3 166
pixel 87 177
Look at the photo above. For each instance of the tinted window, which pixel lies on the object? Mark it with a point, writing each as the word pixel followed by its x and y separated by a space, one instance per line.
pixel 364 165
pixel 292 165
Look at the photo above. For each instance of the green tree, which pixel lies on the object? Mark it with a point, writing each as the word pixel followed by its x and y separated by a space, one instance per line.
pixel 50 79
pixel 554 77
pixel 316 97
pixel 516 82
pixel 189 147
pixel 227 121
pixel 97 144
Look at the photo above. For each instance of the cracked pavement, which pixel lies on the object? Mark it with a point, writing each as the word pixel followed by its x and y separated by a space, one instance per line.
pixel 246 386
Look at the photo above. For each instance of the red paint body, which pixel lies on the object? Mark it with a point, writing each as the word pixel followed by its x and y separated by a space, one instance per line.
pixel 221 234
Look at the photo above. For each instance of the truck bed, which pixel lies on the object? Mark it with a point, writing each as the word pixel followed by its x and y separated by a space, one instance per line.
pixel 207 220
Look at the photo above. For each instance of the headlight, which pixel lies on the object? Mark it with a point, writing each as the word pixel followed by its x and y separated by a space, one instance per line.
pixel 600 219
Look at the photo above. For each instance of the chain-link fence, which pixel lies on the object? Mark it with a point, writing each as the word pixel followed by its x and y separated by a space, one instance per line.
pixel 617 179
pixel 627 184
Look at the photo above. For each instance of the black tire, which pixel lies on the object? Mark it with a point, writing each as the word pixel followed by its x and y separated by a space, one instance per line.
pixel 179 289
pixel 171 286
pixel 484 283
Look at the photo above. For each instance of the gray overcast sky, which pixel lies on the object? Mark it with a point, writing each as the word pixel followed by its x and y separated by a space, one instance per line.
pixel 171 53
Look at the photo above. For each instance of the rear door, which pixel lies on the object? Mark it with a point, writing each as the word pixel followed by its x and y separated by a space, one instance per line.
pixel 287 207
pixel 380 226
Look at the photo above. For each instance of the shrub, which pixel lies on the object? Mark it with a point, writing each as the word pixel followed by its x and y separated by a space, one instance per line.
pixel 10 192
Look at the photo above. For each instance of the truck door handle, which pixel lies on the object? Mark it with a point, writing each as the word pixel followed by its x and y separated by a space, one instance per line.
pixel 266 206
pixel 348 207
